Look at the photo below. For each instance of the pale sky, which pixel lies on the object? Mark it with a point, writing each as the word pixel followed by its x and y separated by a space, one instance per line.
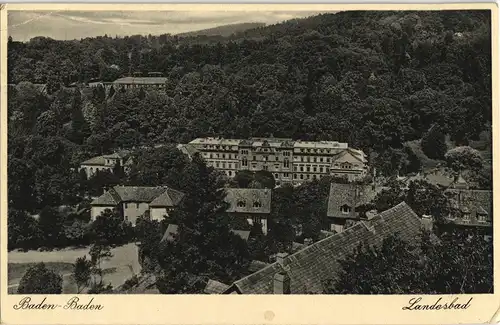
pixel 24 25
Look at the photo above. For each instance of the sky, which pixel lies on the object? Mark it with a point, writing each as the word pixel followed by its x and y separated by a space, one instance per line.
pixel 61 25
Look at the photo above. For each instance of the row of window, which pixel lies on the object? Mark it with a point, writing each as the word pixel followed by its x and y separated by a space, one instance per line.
pixel 242 204
pixel 314 169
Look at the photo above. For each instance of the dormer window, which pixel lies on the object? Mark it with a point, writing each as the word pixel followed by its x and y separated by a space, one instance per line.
pixel 481 217
pixel 257 204
pixel 345 209
pixel 241 204
pixel 466 216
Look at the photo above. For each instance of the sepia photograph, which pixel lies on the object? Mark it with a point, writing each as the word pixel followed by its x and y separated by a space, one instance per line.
pixel 342 152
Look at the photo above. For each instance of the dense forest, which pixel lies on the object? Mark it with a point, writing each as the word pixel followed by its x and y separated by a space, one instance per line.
pixel 377 80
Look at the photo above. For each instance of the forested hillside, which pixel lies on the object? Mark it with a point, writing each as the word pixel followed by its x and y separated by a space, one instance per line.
pixel 376 80
pixel 224 31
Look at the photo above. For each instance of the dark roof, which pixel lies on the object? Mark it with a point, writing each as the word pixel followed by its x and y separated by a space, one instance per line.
pixel 352 195
pixel 309 267
pixel 141 80
pixel 95 161
pixel 248 200
pixel 110 198
pixel 169 198
pixel 475 202
pixel 215 287
pixel 117 194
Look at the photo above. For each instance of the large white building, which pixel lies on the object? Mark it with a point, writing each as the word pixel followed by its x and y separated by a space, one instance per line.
pixel 288 160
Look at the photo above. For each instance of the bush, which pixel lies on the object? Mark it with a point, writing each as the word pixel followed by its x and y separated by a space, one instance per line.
pixel 40 280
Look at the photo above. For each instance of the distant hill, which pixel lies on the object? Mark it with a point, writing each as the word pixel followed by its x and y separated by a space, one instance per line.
pixel 224 31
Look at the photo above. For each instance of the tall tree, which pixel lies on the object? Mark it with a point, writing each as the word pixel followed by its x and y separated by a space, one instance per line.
pixel 204 245
pixel 433 143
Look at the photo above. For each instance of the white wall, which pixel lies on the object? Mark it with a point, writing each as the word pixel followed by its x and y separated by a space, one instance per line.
pixel 158 213
pixel 133 210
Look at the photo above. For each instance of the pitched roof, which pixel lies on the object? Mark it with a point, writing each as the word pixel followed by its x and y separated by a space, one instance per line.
pixel 352 195
pixel 139 193
pixel 248 200
pixel 215 287
pixel 475 202
pixel 109 198
pixel 244 234
pixel 117 194
pixel 309 267
pixel 187 149
pixel 169 198
pixel 97 161
pixel 141 80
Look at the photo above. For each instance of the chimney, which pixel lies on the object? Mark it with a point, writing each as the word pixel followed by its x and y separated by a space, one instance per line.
pixel 280 257
pixel 281 284
pixel 308 241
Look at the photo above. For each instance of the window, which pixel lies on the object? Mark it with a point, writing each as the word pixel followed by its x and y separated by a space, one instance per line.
pixel 301 168
pixel 230 173
pixel 137 205
pixel 294 176
pixel 257 204
pixel 256 220
pixel 308 168
pixel 345 209
pixel 294 168
pixel 217 164
pixel 466 216
pixel 217 155
pixel 254 158
pixel 308 159
pixel 229 165
pixel 315 159
pixel 241 204
pixel 286 163
pixel 126 205
pixel 481 217
pixel 223 165
pixel 286 175
pixel 244 162
pixel 265 167
pixel 276 158
pixel 223 155
pixel 301 176
pixel 276 176
pixel 314 169
pixel 321 169
pixel 308 176
pixel 320 159
pixel 211 155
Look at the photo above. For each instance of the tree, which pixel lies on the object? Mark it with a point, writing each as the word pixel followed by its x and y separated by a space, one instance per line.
pixel 82 271
pixel 456 263
pixel 428 199
pixel 51 223
pixel 204 244
pixel 40 280
pixel 99 253
pixel 109 228
pixel 433 143
pixel 23 231
pixel 76 233
pixel 392 268
pixel 265 178
pixel 464 158
pixel 243 178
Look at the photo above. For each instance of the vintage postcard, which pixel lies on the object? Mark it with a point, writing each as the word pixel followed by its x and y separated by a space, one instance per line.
pixel 249 164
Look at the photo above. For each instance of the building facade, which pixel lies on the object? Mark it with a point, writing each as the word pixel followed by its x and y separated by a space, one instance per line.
pixel 251 204
pixel 135 201
pixel 288 160
pixel 106 162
